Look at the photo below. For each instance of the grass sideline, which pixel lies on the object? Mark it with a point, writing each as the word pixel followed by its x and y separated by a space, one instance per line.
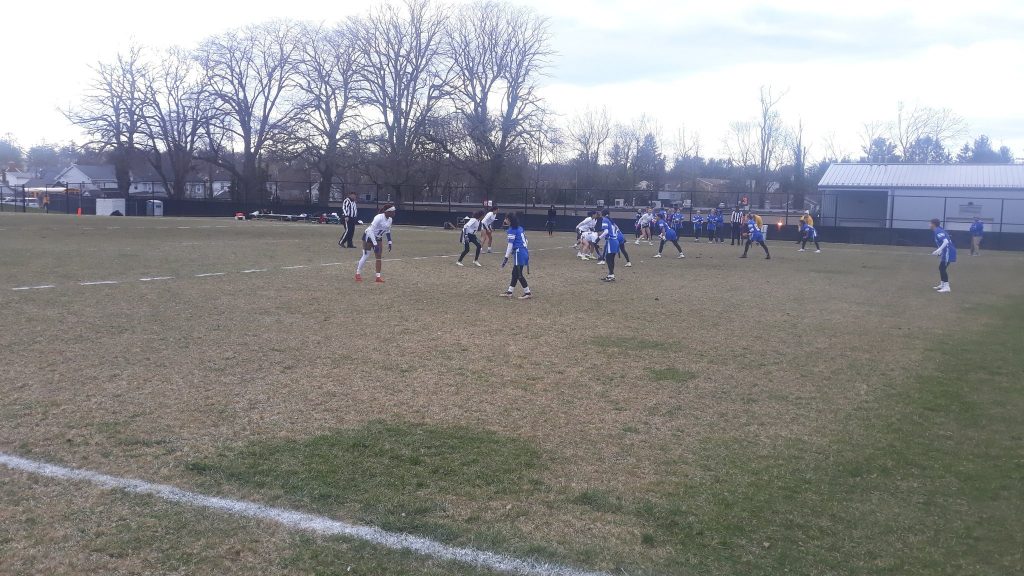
pixel 822 415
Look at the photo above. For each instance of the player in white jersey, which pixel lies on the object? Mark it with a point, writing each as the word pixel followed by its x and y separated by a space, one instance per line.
pixel 587 225
pixel 588 245
pixel 469 237
pixel 487 225
pixel 646 220
pixel 372 239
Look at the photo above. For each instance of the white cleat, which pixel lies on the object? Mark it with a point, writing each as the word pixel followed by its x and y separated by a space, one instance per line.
pixel 477 264
pixel 801 250
pixel 656 256
pixel 944 290
pixel 637 242
pixel 939 287
pixel 681 255
pixel 817 251
pixel 459 264
pixel 629 264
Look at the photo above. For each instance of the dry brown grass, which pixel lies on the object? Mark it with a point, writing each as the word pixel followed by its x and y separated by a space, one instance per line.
pixel 139 379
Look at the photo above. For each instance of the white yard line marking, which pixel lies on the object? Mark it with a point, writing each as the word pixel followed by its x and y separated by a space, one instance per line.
pixel 301 266
pixel 300 520
pixel 183 227
pixel 44 287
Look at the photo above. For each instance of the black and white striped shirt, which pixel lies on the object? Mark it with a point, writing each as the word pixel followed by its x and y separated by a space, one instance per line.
pixel 737 216
pixel 349 208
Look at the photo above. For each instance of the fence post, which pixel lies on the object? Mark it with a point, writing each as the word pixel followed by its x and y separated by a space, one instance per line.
pixel 1002 213
pixel 892 211
pixel 789 200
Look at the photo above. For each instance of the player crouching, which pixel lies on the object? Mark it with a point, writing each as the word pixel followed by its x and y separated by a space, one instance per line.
pixel 372 237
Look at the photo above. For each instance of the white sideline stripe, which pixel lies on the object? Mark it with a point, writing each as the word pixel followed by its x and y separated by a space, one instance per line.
pixel 300 520
pixel 255 270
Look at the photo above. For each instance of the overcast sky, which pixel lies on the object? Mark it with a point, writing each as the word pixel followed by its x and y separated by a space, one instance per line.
pixel 696 64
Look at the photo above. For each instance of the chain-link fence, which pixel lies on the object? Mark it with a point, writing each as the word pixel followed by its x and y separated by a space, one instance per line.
pixel 871 212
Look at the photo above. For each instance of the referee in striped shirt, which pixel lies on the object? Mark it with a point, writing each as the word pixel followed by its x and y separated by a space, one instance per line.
pixel 737 223
pixel 350 212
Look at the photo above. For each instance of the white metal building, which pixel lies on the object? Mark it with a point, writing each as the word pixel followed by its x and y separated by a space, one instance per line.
pixel 909 195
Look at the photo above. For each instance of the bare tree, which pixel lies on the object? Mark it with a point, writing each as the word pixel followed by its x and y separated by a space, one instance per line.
pixel 498 53
pixel 833 149
pixel 740 143
pixel 112 112
pixel 176 115
pixel 588 133
pixel 628 142
pixel 249 72
pixel 406 75
pixel 547 144
pixel 771 135
pixel 913 125
pixel 329 86
pixel 686 144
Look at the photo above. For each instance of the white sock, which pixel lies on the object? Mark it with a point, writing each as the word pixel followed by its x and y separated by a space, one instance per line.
pixel 526 290
pixel 359 267
pixel 511 289
pixel 378 274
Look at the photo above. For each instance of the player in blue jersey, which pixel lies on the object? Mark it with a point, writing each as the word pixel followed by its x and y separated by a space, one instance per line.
pixel 518 253
pixel 698 222
pixel 610 233
pixel 622 248
pixel 977 232
pixel 668 234
pixel 712 226
pixel 676 221
pixel 754 234
pixel 809 233
pixel 946 252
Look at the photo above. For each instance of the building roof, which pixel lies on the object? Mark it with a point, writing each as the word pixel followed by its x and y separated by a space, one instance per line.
pixel 97 172
pixel 961 176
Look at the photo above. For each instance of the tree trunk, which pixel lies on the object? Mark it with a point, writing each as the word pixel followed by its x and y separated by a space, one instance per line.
pixel 326 183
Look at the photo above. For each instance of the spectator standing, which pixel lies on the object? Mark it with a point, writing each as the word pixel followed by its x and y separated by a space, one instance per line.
pixel 977 232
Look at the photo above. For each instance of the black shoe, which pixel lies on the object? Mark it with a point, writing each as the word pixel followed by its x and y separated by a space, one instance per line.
pixel 768 257
pixel 744 256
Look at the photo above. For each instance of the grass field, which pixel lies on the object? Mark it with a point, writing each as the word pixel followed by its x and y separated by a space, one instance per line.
pixel 812 414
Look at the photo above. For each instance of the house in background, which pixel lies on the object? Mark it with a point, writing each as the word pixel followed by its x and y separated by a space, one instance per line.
pixel 909 195
pixel 89 180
